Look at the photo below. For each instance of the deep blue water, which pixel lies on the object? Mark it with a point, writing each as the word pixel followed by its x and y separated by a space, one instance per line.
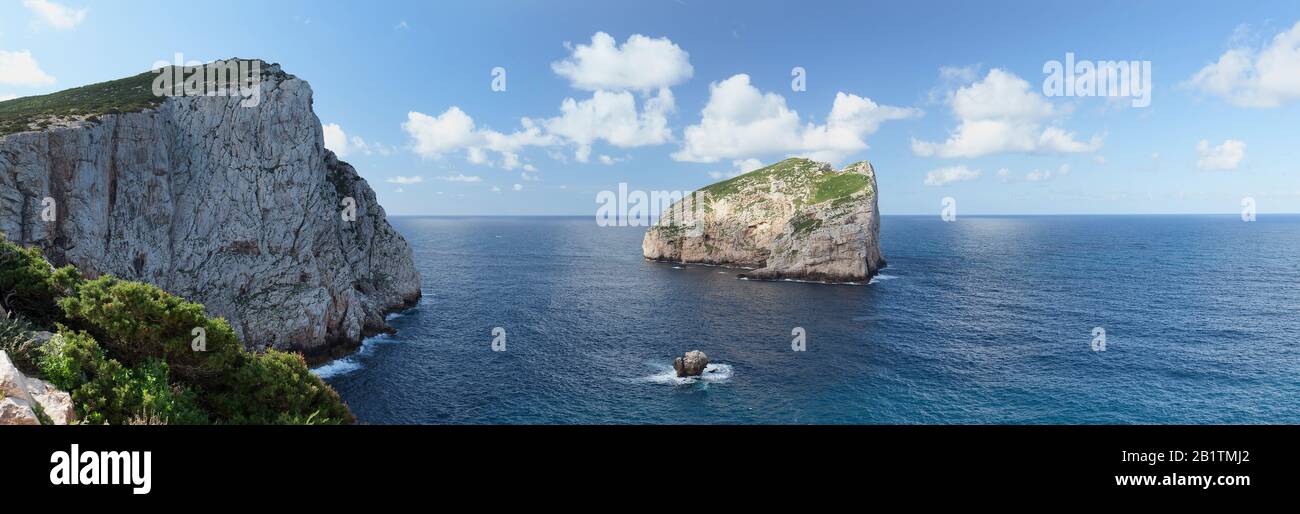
pixel 985 320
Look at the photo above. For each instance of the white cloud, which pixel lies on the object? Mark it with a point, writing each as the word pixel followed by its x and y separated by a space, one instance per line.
pixel 1004 175
pixel 18 68
pixel 739 121
pixel 949 175
pixel 518 187
pixel 606 116
pixel 1224 157
pixel 1042 175
pixel 7 97
pixel 639 64
pixel 1250 77
pixel 738 167
pixel 613 117
pixel 401 25
pixel 612 72
pixel 404 180
pixel 453 130
pixel 450 131
pixel 496 189
pixel 1002 114
pixel 338 141
pixel 460 177
pixel 56 15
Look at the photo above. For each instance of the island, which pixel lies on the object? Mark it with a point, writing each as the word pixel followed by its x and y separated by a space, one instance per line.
pixel 797 219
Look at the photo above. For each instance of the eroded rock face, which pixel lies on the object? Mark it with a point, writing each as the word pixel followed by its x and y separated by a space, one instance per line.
pixel 796 219
pixel 237 208
pixel 14 411
pixel 21 394
pixel 692 364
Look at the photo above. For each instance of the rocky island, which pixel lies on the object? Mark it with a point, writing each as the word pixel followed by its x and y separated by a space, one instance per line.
pixel 233 204
pixel 796 219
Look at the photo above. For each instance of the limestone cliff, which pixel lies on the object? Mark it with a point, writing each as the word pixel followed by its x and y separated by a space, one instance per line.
pixel 239 208
pixel 796 219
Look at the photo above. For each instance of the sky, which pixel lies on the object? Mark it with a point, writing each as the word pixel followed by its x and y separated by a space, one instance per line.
pixel 534 107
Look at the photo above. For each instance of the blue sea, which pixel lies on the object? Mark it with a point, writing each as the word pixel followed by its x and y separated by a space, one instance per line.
pixel 983 320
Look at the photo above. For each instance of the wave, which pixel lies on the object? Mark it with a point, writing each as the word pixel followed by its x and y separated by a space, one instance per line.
pixel 352 362
pixel 714 372
pixel 882 277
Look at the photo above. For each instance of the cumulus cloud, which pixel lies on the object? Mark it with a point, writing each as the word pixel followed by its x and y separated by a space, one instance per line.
pixel 338 141
pixel 640 64
pixel 56 15
pixel 454 131
pixel 1255 77
pixel 943 176
pixel 1002 114
pixel 460 177
pixel 739 121
pixel 518 187
pixel 613 118
pixel 18 68
pixel 1224 157
pixel 1042 175
pixel 404 180
pixel 619 76
pixel 738 167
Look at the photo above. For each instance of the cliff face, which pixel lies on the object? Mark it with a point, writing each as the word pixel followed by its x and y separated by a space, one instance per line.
pixel 797 219
pixel 238 208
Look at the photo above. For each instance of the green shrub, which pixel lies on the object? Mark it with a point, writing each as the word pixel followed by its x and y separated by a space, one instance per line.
pixel 129 354
pixel 105 391
pixel 277 387
pixel 16 341
pixel 137 322
pixel 28 283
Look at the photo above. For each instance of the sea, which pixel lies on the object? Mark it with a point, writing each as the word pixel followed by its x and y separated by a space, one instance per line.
pixel 1183 319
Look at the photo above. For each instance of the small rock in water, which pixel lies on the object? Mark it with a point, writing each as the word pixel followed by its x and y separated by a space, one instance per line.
pixel 692 364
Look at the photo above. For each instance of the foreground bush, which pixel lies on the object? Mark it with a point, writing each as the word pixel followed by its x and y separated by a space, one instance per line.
pixel 105 391
pixel 28 285
pixel 128 351
pixel 16 340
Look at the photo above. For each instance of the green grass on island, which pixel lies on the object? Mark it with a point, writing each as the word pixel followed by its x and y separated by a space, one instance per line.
pixel 801 177
pixel 128 353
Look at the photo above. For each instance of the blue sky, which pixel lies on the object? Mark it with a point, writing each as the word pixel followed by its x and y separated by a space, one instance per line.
pixel 940 96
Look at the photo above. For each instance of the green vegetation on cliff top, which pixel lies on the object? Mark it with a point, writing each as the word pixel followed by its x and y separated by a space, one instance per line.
pixel 129 352
pixel 130 94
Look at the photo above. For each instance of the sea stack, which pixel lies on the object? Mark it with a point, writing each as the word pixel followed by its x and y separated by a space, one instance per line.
pixel 692 364
pixel 796 219
pixel 233 204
